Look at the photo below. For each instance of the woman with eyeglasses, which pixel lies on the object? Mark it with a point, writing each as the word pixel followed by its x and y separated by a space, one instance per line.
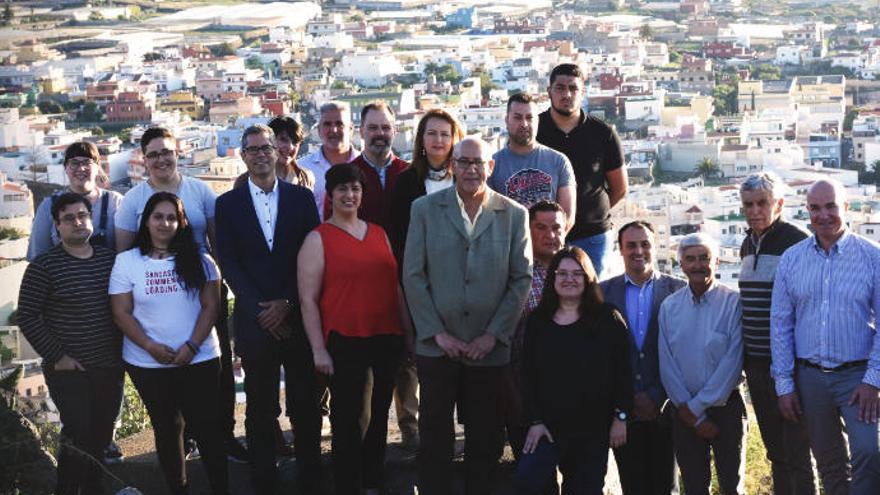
pixel 83 170
pixel 165 295
pixel 159 148
pixel 577 383
pixel 431 170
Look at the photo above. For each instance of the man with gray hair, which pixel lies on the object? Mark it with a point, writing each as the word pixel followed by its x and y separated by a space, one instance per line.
pixel 768 236
pixel 467 272
pixel 701 355
pixel 260 228
pixel 334 127
pixel 825 344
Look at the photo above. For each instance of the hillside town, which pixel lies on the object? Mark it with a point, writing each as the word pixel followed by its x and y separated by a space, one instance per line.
pixel 701 92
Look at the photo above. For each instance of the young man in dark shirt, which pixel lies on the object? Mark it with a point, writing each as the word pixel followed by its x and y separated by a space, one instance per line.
pixel 595 153
pixel 64 312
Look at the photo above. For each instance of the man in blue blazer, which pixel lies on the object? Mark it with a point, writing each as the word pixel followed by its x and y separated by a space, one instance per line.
pixel 646 463
pixel 260 228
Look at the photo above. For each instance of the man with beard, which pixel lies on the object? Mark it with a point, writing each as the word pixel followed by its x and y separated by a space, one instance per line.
pixel 378 163
pixel 527 171
pixel 595 153
pixel 381 168
pixel 335 128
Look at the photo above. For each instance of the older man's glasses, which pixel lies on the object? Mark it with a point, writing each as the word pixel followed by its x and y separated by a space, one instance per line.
pixel 466 163
pixel 155 155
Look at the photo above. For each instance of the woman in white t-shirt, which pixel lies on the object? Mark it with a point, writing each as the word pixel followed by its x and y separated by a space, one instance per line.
pixel 165 294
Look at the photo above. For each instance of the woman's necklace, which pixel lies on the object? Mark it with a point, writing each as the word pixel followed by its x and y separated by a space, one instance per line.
pixel 159 253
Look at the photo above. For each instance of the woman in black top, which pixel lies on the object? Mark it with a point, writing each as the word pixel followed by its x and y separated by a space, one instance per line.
pixel 577 382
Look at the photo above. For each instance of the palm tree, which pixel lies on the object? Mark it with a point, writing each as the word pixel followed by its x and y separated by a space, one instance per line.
pixel 706 167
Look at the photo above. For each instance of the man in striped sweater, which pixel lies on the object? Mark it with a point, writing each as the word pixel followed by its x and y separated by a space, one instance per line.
pixel 64 312
pixel 769 235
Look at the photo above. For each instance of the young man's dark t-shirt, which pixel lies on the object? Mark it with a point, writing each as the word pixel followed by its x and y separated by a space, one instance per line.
pixel 593 148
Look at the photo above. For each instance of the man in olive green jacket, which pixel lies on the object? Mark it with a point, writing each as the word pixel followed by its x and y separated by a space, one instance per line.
pixel 467 272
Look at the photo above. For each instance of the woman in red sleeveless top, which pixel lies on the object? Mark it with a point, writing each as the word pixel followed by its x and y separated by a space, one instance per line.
pixel 355 316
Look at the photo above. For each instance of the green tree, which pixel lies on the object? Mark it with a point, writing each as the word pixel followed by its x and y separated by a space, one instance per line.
pixel 444 73
pixel 707 168
pixel 97 131
pixel 725 96
pixel 645 32
pixel 253 62
pixel 222 50
pixel 849 118
pixel 873 172
pixel 134 414
pixel 90 112
pixel 486 84
pixel 50 107
pixel 6 354
pixel 767 72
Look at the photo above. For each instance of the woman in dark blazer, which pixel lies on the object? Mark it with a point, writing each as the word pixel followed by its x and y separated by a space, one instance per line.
pixel 431 171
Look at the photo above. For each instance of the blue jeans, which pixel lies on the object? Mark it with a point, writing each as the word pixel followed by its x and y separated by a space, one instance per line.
pixel 595 246
pixel 825 399
pixel 583 463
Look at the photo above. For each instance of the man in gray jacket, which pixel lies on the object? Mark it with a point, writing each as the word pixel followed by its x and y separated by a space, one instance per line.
pixel 466 284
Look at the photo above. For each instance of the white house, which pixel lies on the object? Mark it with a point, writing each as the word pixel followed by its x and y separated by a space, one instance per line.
pixel 791 54
pixel 370 69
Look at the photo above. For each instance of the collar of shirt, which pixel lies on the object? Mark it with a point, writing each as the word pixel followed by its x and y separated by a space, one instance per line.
pixel 702 299
pixel 380 169
pixel 468 223
pixel 838 247
pixel 256 190
pixel 646 283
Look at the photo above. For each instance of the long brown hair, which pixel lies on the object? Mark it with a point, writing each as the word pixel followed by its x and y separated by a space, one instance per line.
pixel 420 160
pixel 591 299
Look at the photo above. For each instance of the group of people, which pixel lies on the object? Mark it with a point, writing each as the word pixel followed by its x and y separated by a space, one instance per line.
pixel 469 277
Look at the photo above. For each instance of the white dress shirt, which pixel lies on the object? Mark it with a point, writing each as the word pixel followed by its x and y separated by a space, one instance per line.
pixel 266 205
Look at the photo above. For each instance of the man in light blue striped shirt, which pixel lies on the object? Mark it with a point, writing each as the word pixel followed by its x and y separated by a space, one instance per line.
pixel 825 346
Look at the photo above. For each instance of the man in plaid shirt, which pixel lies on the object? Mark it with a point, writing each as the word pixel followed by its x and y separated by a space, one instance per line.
pixel 547 226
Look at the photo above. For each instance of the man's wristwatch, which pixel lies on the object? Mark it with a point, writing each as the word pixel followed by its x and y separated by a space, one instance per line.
pixel 620 415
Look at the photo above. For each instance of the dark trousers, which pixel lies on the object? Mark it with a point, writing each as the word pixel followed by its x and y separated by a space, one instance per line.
pixel 728 449
pixel 227 379
pixel 185 395
pixel 582 462
pixel 262 375
pixel 87 402
pixel 787 443
pixel 443 382
pixel 646 463
pixel 359 456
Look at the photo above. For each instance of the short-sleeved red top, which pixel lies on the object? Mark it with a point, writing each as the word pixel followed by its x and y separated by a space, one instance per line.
pixel 359 294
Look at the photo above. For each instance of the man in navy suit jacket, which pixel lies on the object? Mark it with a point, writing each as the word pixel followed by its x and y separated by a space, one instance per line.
pixel 260 228
pixel 646 463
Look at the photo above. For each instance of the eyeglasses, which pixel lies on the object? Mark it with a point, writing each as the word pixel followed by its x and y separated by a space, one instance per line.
pixel 576 274
pixel 265 149
pixel 466 163
pixel 75 163
pixel 155 155
pixel 73 219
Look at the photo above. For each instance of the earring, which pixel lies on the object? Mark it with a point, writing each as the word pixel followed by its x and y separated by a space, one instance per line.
pixel 423 152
